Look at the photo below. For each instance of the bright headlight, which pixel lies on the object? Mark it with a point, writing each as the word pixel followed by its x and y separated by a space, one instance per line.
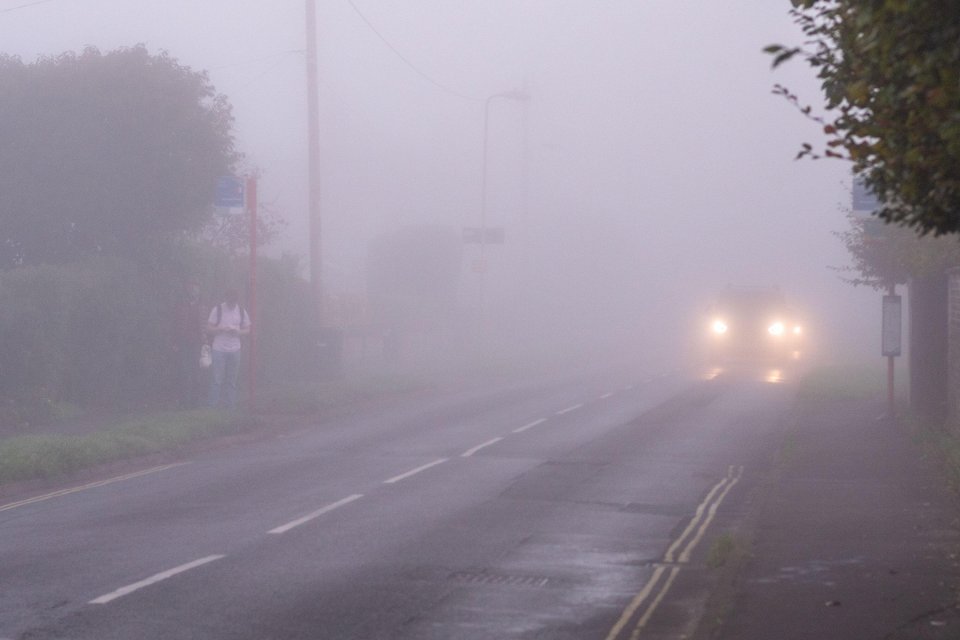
pixel 776 329
pixel 719 327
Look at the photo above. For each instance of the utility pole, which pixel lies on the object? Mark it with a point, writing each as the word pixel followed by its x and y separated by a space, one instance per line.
pixel 250 197
pixel 313 166
pixel 525 171
pixel 519 96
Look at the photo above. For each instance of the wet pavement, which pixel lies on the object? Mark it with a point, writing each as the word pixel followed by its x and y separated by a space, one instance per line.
pixel 855 536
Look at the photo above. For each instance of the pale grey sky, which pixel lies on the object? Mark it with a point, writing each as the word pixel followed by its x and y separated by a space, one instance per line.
pixel 658 165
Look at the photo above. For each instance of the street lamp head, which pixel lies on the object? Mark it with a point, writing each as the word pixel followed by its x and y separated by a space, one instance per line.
pixel 516 94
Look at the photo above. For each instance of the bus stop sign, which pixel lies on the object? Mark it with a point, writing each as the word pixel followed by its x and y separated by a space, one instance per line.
pixel 229 194
pixel 891 330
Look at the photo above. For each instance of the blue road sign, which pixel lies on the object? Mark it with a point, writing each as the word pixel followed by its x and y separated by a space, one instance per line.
pixel 864 200
pixel 229 192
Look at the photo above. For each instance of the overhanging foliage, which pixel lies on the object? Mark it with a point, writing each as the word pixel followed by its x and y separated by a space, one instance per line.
pixel 890 70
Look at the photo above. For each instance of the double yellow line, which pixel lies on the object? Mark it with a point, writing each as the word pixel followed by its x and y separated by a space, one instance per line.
pixel 92 485
pixel 674 558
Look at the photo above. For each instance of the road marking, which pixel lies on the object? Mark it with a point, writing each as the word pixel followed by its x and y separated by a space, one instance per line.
pixel 530 426
pixel 709 506
pixel 404 476
pixel 653 605
pixel 685 556
pixel 470 452
pixel 635 603
pixel 92 485
pixel 668 556
pixel 316 514
pixel 130 588
pixel 569 409
pixel 629 387
pixel 606 395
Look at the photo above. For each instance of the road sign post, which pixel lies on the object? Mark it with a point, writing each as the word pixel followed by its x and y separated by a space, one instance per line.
pixel 484 235
pixel 891 335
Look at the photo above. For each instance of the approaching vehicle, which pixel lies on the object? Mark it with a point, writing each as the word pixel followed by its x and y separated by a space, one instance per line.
pixel 749 324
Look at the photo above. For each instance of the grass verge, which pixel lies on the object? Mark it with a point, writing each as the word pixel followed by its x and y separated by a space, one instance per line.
pixel 727 559
pixel 842 382
pixel 938 444
pixel 31 457
pixel 723 550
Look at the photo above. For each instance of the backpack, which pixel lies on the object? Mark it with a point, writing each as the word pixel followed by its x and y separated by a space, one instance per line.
pixel 243 314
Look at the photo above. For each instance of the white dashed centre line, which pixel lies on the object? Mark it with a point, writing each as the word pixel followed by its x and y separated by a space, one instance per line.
pixel 530 426
pixel 130 588
pixel 569 409
pixel 470 452
pixel 412 472
pixel 316 514
pixel 609 394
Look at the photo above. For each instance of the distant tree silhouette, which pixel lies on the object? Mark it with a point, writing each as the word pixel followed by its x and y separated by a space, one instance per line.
pixel 106 154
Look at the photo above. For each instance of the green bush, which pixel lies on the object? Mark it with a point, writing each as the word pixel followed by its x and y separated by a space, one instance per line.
pixel 87 333
pixel 842 382
pixel 96 333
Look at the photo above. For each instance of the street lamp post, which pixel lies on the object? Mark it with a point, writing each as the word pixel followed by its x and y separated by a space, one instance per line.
pixel 313 166
pixel 519 96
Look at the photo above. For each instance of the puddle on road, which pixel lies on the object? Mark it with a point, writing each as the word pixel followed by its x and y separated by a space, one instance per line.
pixel 812 571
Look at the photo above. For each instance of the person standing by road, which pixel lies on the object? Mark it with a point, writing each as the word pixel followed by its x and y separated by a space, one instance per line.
pixel 228 321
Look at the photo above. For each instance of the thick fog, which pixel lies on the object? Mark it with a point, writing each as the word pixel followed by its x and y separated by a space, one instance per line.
pixel 648 166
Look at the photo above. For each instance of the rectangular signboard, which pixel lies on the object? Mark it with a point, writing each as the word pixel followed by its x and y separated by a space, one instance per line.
pixel 479 235
pixel 892 326
pixel 865 201
pixel 229 193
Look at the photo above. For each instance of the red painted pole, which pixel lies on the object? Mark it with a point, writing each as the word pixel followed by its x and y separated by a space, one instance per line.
pixel 891 392
pixel 891 395
pixel 251 199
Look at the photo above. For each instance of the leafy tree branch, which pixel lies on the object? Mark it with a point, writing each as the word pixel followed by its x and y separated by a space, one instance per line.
pixel 889 72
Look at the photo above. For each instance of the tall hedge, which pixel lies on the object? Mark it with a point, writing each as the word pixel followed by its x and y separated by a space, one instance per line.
pixel 88 334
pixel 97 333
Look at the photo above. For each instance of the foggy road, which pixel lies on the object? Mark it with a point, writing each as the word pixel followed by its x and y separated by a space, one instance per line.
pixel 555 510
pixel 434 194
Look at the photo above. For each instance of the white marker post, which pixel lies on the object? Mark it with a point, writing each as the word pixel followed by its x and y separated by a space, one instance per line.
pixel 891 333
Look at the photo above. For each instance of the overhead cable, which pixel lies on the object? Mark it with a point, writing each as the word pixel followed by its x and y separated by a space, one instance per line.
pixel 24 6
pixel 406 61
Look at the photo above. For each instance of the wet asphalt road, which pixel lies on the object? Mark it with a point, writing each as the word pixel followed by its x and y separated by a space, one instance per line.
pixel 540 511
